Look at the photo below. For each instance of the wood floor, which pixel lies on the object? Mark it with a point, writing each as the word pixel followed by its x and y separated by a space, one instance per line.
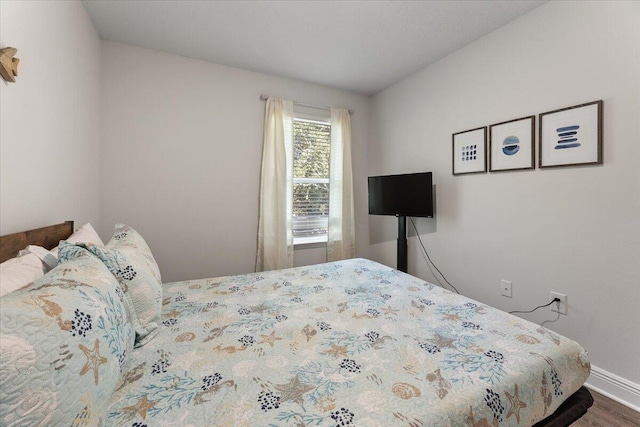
pixel 608 413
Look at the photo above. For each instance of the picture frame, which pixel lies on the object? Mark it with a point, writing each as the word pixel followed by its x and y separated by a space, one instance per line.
pixel 469 150
pixel 511 145
pixel 571 136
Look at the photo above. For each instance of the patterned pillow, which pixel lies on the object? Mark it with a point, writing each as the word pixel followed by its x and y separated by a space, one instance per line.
pixel 84 234
pixel 64 341
pixel 129 258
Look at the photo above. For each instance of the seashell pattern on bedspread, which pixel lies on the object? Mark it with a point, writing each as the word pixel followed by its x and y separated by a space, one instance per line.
pixel 351 343
pixel 64 343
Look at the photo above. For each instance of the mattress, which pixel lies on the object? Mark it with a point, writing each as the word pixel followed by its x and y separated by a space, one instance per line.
pixel 350 343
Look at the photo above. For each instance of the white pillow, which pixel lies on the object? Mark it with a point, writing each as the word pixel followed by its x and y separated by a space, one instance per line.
pixel 84 234
pixel 16 273
pixel 49 260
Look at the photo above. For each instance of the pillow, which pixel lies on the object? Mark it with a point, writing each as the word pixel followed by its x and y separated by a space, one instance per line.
pixel 49 260
pixel 129 258
pixel 64 342
pixel 16 273
pixel 84 234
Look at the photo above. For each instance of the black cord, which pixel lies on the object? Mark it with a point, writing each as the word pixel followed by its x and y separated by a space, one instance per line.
pixel 429 258
pixel 445 279
pixel 551 321
pixel 540 306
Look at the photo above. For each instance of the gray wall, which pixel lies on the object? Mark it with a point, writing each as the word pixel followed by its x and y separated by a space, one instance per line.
pixel 181 154
pixel 571 230
pixel 50 117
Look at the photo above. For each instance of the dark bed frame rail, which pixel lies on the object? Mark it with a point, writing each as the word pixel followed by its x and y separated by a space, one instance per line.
pixel 571 409
pixel 47 237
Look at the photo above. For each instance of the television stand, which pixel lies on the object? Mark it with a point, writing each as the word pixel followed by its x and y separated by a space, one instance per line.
pixel 402 243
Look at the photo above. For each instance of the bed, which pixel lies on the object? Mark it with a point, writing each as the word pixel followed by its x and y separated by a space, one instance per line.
pixel 351 343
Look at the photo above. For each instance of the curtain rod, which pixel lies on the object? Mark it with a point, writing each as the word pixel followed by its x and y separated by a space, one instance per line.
pixel 302 104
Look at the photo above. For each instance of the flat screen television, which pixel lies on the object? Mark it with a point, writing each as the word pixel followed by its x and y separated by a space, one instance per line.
pixel 401 195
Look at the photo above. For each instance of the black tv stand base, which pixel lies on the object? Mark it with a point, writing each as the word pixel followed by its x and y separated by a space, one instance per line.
pixel 402 243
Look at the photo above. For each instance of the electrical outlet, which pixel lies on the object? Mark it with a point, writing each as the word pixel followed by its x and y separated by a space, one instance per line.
pixel 505 288
pixel 559 307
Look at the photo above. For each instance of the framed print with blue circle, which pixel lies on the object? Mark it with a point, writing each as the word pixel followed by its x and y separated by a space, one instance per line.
pixel 571 136
pixel 469 151
pixel 511 145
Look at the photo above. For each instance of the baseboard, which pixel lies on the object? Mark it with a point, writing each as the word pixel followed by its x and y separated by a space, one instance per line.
pixel 614 387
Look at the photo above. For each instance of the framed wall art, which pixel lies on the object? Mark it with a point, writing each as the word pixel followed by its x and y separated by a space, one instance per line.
pixel 511 145
pixel 469 151
pixel 571 136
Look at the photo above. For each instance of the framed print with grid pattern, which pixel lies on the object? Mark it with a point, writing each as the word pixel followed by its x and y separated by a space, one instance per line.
pixel 469 151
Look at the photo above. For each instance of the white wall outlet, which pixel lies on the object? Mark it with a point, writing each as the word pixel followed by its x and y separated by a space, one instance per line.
pixel 559 307
pixel 505 288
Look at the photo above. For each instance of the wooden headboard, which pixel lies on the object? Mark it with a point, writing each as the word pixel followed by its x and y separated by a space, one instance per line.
pixel 47 237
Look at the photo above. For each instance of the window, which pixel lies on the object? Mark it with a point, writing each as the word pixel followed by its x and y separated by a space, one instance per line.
pixel 311 146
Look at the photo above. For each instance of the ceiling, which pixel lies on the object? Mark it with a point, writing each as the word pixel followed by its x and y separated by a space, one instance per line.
pixel 360 46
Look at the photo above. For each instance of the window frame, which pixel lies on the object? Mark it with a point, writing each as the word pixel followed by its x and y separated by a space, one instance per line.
pixel 320 240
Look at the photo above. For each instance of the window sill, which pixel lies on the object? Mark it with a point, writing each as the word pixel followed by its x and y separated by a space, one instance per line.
pixel 310 242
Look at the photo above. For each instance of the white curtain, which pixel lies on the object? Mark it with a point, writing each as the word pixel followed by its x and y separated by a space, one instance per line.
pixel 341 239
pixel 275 231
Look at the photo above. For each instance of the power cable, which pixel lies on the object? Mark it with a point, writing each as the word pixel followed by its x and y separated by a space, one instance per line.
pixel 540 306
pixel 429 258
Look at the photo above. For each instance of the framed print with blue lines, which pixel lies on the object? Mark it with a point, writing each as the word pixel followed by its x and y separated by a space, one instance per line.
pixel 469 151
pixel 511 145
pixel 571 136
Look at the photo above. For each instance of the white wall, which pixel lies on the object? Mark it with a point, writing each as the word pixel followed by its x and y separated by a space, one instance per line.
pixel 572 230
pixel 181 154
pixel 50 117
